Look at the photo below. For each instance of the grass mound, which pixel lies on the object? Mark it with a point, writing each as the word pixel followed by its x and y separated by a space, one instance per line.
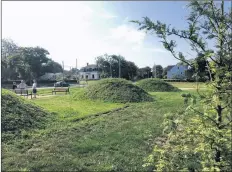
pixel 19 115
pixel 156 85
pixel 116 90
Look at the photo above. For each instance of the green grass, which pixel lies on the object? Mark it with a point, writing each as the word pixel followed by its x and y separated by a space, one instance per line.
pixel 68 108
pixel 88 82
pixel 116 90
pixel 188 84
pixel 48 91
pixel 44 92
pixel 18 115
pixel 118 141
pixel 156 85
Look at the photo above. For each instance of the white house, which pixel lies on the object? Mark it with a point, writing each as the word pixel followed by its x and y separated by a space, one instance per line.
pixel 89 72
pixel 176 72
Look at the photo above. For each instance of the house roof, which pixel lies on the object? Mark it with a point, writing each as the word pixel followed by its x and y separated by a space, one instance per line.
pixel 91 66
pixel 169 67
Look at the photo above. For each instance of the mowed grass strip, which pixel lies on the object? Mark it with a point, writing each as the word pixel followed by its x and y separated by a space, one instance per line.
pixel 188 84
pixel 68 108
pixel 116 142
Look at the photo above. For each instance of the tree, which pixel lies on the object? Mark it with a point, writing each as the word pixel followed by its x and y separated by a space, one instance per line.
pixel 9 48
pixel 198 138
pixel 18 67
pixel 157 71
pixel 51 67
pixel 132 70
pixel 165 72
pixel 103 66
pixel 144 72
pixel 28 62
pixel 25 62
pixel 31 63
pixel 109 67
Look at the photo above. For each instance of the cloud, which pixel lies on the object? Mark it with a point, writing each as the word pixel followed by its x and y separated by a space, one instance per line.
pixel 70 30
pixel 127 34
pixel 126 20
pixel 108 16
pixel 158 50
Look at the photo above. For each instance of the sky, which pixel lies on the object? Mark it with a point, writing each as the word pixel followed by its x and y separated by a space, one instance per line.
pixel 83 30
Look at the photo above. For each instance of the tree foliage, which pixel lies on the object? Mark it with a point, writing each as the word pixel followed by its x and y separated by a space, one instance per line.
pixel 109 67
pixel 165 72
pixel 26 62
pixel 144 72
pixel 8 48
pixel 199 137
pixel 157 71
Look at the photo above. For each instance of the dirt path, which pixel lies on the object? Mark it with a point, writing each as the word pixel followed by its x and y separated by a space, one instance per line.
pixel 102 113
pixel 45 96
pixel 187 88
pixel 190 88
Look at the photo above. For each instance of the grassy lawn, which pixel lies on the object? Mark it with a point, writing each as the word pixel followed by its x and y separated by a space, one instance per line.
pixel 88 82
pixel 176 84
pixel 118 141
pixel 188 84
pixel 68 108
pixel 191 85
pixel 48 91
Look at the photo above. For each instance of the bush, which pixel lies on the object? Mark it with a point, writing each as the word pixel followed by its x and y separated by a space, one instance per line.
pixel 19 115
pixel 156 85
pixel 116 90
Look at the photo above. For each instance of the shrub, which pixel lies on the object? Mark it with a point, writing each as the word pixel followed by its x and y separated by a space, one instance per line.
pixel 116 90
pixel 156 85
pixel 19 115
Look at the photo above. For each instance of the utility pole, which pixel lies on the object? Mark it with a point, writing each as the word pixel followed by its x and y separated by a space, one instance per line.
pixel 155 69
pixel 110 69
pixel 109 61
pixel 119 67
pixel 76 70
pixel 63 69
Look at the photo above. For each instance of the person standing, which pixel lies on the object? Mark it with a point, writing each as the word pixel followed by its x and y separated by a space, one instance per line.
pixel 34 90
pixel 22 85
pixel 14 85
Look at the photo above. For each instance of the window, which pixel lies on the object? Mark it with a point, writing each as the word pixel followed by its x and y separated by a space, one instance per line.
pixel 92 76
pixel 181 73
pixel 82 76
pixel 178 67
pixel 86 76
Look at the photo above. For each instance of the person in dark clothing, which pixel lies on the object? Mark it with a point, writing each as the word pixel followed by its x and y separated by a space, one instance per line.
pixel 14 85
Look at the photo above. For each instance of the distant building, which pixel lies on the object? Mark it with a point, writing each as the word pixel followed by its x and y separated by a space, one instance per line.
pixel 176 72
pixel 51 76
pixel 89 72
